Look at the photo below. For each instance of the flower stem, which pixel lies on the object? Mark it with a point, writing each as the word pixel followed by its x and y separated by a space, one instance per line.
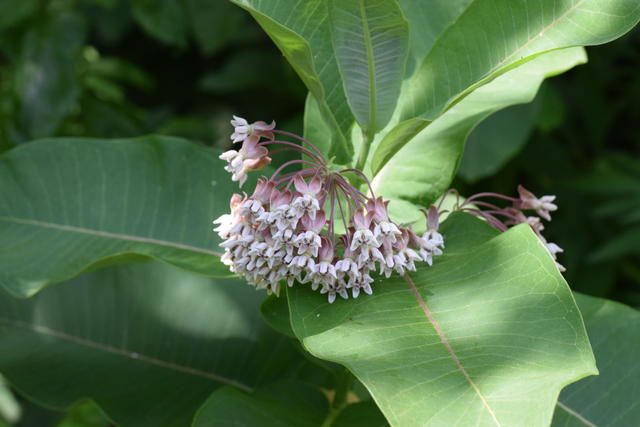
pixel 345 380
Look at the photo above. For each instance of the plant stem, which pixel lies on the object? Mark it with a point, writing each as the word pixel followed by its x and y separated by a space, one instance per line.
pixel 340 398
pixel 364 150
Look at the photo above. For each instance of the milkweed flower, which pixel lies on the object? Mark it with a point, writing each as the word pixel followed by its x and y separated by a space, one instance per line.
pixel 285 232
pixel 504 217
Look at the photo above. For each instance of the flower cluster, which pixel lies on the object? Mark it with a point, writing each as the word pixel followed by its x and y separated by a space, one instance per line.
pixel 505 217
pixel 286 230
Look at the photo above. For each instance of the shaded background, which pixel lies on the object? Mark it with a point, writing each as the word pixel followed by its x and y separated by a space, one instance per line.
pixel 120 68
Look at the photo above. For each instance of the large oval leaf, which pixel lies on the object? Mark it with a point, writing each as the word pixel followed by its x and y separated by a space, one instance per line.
pixel 440 145
pixel 371 40
pixel 611 398
pixel 147 342
pixel 68 203
pixel 487 336
pixel 492 36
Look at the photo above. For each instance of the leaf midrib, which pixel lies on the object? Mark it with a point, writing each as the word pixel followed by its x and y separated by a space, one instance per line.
pixel 371 68
pixel 108 234
pixel 443 339
pixel 44 330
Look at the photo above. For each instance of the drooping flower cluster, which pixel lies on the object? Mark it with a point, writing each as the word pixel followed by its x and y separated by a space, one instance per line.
pixel 505 217
pixel 286 230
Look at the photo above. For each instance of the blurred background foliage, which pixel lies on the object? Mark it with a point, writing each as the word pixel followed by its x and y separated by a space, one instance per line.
pixel 121 68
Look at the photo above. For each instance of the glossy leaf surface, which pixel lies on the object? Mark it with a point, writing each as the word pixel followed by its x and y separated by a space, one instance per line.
pixel 440 145
pixel 69 203
pixel 487 336
pixel 370 39
pixel 492 36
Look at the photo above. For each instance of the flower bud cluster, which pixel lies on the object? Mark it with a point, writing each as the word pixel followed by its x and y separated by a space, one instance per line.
pixel 285 231
pixel 505 217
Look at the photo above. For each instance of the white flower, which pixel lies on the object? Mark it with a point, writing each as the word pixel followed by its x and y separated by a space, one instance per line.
pixel 347 266
pixel 242 129
pixel 225 223
pixel 306 204
pixel 542 205
pixel 386 231
pixel 361 282
pixel 333 288
pixel 322 273
pixel 308 242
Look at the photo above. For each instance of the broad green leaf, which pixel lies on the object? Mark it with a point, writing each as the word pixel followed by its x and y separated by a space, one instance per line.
pixel 427 21
pixel 394 140
pixel 166 20
pixel 147 342
pixel 440 145
pixel 370 39
pixel 315 128
pixel 275 311
pixel 492 36
pixel 69 203
pixel 12 12
pixel 487 336
pixel 611 398
pixel 496 140
pixel 46 77
pixel 303 38
pixel 284 404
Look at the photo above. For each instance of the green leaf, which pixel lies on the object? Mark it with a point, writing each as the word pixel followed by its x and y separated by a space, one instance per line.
pixel 284 404
pixel 315 128
pixel 46 76
pixel 496 140
pixel 610 399
pixel 12 12
pixel 147 342
pixel 487 336
pixel 492 36
pixel 214 23
pixel 69 203
pixel 370 39
pixel 426 24
pixel 440 145
pixel 166 20
pixel 361 414
pixel 275 311
pixel 394 140
pixel 303 39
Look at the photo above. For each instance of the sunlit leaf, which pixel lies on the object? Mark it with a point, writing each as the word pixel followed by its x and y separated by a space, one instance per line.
pixel 492 36
pixel 439 146
pixel 487 336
